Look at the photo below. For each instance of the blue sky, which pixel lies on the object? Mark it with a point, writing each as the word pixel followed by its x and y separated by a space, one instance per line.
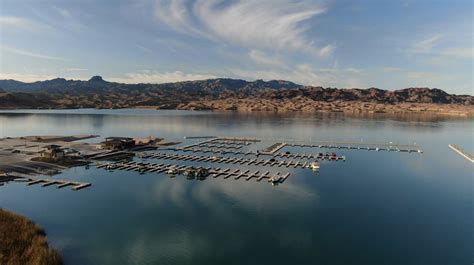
pixel 340 43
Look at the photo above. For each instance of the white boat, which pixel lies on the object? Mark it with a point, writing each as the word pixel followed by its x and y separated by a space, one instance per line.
pixel 173 171
pixel 314 166
pixel 275 179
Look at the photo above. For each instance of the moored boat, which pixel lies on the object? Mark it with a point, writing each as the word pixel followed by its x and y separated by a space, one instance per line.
pixel 314 166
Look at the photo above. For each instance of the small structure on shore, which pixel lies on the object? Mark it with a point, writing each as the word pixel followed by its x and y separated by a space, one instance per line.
pixel 52 151
pixel 147 140
pixel 118 143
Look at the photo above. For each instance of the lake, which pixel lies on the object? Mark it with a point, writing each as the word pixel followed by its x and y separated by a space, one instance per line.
pixel 375 208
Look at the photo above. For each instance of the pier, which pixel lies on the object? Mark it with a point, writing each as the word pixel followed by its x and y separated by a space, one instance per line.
pixel 222 143
pixel 349 145
pixel 225 173
pixel 227 159
pixel 462 152
pixel 247 161
pixel 45 182
pixel 273 148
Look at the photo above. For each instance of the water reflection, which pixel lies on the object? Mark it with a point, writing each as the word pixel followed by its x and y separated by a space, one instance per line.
pixel 403 207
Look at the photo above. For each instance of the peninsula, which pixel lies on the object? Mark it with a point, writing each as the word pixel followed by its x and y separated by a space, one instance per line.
pixel 229 94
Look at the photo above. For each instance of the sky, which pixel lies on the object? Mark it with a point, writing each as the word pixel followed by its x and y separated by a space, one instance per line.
pixel 389 44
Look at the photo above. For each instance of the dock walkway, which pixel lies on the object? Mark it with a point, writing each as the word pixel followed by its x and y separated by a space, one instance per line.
pixel 213 172
pixel 246 161
pixel 462 152
pixel 45 182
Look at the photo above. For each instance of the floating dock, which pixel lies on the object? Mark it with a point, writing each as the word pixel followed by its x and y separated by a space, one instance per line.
pixel 246 161
pixel 273 148
pixel 409 148
pixel 288 155
pixel 462 152
pixel 222 143
pixel 213 172
pixel 45 182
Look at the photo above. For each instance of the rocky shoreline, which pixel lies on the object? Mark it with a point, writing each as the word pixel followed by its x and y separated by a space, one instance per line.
pixel 229 95
pixel 308 106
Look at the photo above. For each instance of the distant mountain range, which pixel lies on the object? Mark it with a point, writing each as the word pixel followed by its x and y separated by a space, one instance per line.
pixel 98 93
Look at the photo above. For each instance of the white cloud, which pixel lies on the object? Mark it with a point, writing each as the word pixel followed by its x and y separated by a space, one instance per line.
pixel 62 12
pixel 157 77
pixel 326 50
pixel 262 58
pixel 144 49
pixel 26 77
pixel 255 24
pixel 29 53
pixel 68 21
pixel 11 22
pixel 437 46
pixel 459 52
pixel 391 69
pixel 172 44
pixel 427 45
pixel 75 69
pixel 307 75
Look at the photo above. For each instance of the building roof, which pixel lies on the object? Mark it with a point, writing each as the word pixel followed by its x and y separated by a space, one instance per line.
pixel 116 138
pixel 52 146
pixel 50 151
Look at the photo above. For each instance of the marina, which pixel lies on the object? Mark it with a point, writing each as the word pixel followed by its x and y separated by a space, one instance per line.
pixel 238 151
pixel 157 206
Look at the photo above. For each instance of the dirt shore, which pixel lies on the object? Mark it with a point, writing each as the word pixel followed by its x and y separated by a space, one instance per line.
pixel 308 105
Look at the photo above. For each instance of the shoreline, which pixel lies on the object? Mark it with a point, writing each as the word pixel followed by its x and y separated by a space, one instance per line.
pixel 432 112
pixel 347 107
pixel 24 242
pixel 249 106
pixel 467 114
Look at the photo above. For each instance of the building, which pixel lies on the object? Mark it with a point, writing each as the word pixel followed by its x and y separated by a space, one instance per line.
pixel 52 152
pixel 117 143
pixel 147 140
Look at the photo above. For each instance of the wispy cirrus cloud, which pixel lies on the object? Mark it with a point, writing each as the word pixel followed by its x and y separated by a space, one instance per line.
pixel 306 74
pixel 426 45
pixel 262 58
pixel 467 52
pixel 62 12
pixel 75 69
pixel 438 45
pixel 147 76
pixel 254 24
pixel 29 53
pixel 26 77
pixel 20 23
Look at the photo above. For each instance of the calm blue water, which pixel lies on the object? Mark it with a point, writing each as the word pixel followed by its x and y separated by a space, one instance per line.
pixel 375 208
